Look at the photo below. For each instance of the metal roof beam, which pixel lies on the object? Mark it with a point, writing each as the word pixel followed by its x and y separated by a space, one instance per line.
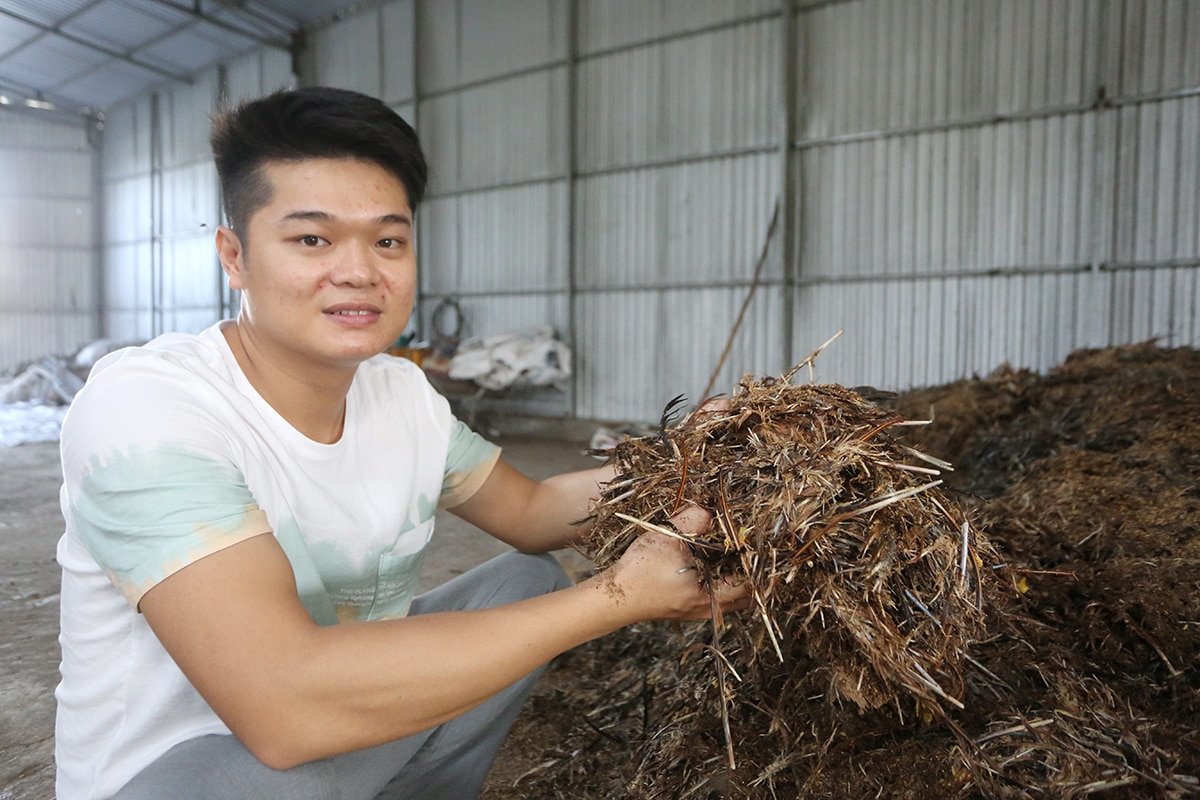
pixel 196 12
pixel 56 30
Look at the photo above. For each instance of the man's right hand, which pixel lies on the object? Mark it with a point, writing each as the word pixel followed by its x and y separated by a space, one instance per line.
pixel 658 573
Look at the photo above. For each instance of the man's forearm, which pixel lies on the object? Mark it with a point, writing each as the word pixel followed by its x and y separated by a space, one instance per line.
pixel 534 516
pixel 422 671
pixel 560 507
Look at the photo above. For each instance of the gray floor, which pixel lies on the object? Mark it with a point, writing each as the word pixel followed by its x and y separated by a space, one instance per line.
pixel 30 525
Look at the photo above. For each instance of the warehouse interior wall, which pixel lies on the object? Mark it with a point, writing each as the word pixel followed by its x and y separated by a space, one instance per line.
pixel 49 263
pixel 161 201
pixel 959 184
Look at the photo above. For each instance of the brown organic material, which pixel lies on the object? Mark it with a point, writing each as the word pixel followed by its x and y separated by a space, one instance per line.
pixel 868 581
pixel 1086 686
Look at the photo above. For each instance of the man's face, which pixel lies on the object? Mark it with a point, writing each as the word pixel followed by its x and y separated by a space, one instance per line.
pixel 326 268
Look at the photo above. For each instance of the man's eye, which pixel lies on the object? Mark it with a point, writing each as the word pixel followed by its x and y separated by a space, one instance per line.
pixel 391 244
pixel 311 241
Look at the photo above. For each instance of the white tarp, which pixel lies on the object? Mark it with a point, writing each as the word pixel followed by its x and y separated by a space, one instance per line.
pixel 34 401
pixel 27 423
pixel 527 357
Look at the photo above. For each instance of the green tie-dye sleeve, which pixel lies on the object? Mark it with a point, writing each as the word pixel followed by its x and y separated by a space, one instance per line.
pixel 144 515
pixel 469 461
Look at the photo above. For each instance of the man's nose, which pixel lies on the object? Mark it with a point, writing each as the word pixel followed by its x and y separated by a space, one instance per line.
pixel 356 265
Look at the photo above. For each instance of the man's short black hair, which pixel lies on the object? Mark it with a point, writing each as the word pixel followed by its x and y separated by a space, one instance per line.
pixel 300 124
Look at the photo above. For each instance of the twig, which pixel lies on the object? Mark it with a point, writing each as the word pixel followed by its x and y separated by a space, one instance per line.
pixel 758 267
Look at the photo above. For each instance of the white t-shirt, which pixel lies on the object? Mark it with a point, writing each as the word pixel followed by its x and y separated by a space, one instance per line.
pixel 170 455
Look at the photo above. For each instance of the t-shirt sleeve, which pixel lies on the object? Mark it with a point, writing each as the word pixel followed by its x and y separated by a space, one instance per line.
pixel 469 461
pixel 149 484
pixel 145 514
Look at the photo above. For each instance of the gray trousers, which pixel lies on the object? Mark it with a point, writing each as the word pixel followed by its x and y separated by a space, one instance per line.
pixel 448 762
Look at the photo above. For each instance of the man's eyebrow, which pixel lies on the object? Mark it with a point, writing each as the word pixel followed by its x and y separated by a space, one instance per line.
pixel 397 219
pixel 324 216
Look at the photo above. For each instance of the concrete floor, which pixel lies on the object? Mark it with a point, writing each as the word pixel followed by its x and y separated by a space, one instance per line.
pixel 30 525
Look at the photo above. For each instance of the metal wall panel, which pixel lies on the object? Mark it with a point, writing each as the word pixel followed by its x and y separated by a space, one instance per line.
pixel 1158 182
pixel 643 348
pixel 1012 195
pixel 484 315
pixel 609 24
pixel 467 41
pixel 438 125
pixel 128 284
pixel 55 173
pixel 495 242
pixel 879 64
pixel 513 130
pixel 501 37
pixel 182 139
pixel 52 282
pixel 505 131
pixel 29 335
pixel 126 150
pixel 192 279
pixel 127 326
pixel 970 183
pixel 162 204
pixel 928 331
pixel 257 73
pixel 348 54
pixel 1159 304
pixel 398 52
pixel 676 225
pixel 437 55
pixel 187 274
pixel 1020 182
pixel 702 94
pixel 52 222
pixel 49 237
pixel 501 132
pixel 190 198
pixel 1157 41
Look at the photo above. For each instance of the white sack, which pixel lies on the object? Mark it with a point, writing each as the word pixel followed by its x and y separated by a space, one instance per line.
pixel 528 357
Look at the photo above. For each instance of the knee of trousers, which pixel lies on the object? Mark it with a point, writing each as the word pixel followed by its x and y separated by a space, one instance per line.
pixel 540 573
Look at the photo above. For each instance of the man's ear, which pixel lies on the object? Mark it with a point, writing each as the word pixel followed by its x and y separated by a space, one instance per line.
pixel 232 255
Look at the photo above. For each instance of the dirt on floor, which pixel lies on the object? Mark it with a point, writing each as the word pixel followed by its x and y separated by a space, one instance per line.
pixel 1088 480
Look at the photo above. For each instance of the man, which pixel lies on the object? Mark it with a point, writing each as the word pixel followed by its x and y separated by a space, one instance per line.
pixel 247 510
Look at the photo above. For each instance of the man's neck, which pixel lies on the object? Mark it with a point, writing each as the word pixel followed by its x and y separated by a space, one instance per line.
pixel 311 398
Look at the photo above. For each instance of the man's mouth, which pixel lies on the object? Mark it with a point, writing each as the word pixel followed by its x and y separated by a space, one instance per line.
pixel 352 313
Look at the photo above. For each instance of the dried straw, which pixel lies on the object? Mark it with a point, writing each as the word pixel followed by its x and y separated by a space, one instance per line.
pixel 857 560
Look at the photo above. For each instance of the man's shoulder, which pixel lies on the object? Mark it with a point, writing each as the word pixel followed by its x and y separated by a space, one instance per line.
pixel 168 353
pixel 136 387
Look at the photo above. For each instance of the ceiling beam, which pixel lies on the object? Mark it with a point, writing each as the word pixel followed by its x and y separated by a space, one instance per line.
pixel 14 97
pixel 196 12
pixel 56 30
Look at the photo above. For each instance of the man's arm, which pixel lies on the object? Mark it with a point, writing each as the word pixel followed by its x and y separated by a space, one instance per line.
pixel 294 692
pixel 533 516
pixel 539 516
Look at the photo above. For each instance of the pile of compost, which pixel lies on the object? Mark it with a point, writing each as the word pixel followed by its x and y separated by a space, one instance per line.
pixel 1063 640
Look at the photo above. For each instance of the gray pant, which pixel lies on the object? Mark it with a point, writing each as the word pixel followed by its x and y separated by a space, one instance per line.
pixel 448 762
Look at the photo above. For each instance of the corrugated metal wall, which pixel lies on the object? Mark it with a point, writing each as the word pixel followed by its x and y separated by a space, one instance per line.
pixel 162 204
pixel 995 182
pixel 48 235
pixel 962 183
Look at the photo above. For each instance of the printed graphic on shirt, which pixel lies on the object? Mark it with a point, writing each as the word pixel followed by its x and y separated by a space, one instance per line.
pixel 336 586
